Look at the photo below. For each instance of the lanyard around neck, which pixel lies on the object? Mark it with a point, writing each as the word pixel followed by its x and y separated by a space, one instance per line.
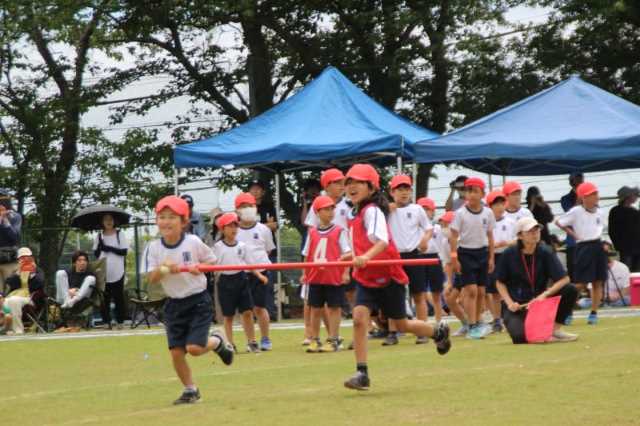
pixel 531 273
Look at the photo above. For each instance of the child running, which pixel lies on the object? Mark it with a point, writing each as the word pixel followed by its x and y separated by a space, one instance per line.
pixel 189 310
pixel 234 292
pixel 258 239
pixel 585 223
pixel 325 243
pixel 471 243
pixel 504 235
pixel 411 231
pixel 380 287
pixel 513 197
pixel 434 273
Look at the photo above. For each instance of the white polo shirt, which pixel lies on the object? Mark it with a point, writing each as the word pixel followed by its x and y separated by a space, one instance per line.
pixel 473 227
pixel 518 214
pixel 259 242
pixel 190 250
pixel 504 231
pixel 340 218
pixel 236 254
pixel 444 249
pixel 587 225
pixel 408 225
pixel 434 241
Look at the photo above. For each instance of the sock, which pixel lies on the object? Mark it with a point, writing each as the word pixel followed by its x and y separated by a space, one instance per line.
pixel 594 313
pixel 362 367
pixel 217 346
pixel 191 388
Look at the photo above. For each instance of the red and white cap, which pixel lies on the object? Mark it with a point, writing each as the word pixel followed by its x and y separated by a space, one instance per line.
pixel 586 188
pixel 398 180
pixel 495 195
pixel 510 187
pixel 447 217
pixel 322 201
pixel 245 198
pixel 175 204
pixel 329 176
pixel 364 173
pixel 227 219
pixel 474 181
pixel 426 202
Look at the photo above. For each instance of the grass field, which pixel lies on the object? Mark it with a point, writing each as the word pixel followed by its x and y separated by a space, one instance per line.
pixel 129 380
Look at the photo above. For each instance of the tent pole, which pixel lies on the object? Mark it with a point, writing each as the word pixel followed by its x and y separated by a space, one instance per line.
pixel 175 180
pixel 490 182
pixel 414 178
pixel 278 248
pixel 504 179
pixel 399 156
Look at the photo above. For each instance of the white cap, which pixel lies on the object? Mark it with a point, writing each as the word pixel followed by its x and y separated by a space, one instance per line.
pixel 526 224
pixel 24 251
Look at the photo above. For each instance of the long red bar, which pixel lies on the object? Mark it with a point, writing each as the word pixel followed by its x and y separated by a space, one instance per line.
pixel 307 265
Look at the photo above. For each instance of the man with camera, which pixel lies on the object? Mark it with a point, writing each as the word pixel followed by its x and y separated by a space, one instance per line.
pixel 456 186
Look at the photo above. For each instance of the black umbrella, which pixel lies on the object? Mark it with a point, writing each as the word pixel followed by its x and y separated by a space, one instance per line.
pixel 90 219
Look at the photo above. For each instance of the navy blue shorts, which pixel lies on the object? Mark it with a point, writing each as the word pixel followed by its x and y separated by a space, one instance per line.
pixel 474 265
pixel 434 273
pixel 259 291
pixel 321 294
pixel 234 294
pixel 491 284
pixel 187 320
pixel 391 299
pixel 591 262
pixel 417 274
pixel 457 282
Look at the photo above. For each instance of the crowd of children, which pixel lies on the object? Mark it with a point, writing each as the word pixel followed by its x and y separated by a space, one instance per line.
pixel 355 221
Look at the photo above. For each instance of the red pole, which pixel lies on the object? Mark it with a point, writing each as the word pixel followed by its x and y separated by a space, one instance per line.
pixel 307 265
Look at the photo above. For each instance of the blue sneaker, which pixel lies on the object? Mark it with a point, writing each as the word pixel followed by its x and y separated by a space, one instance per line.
pixel 592 319
pixel 475 333
pixel 485 329
pixel 462 331
pixel 265 344
pixel 568 320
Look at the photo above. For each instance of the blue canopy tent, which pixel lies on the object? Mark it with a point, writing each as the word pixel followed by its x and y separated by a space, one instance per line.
pixel 568 127
pixel 329 122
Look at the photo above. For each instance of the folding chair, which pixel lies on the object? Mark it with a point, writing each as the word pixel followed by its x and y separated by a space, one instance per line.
pixel 34 314
pixel 147 304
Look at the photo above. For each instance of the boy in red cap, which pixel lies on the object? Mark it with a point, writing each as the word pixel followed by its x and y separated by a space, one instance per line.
pixel 513 196
pixel 434 273
pixel 378 287
pixel 411 231
pixel 504 235
pixel 472 248
pixel 234 292
pixel 189 311
pixel 453 285
pixel 326 242
pixel 259 241
pixel 585 223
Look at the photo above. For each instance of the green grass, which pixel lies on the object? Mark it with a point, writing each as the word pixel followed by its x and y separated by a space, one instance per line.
pixel 110 381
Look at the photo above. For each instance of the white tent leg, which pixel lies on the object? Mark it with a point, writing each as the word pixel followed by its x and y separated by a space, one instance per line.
pixel 414 178
pixel 176 174
pixel 278 249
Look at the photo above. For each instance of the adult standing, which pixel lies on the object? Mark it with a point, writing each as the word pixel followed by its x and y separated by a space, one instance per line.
pixel 112 245
pixel 569 201
pixel 624 227
pixel 10 225
pixel 523 273
pixel 196 224
pixel 541 212
pixel 457 186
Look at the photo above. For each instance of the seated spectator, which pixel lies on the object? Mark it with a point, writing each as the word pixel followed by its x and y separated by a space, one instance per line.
pixel 5 317
pixel 541 212
pixel 617 284
pixel 75 284
pixel 26 287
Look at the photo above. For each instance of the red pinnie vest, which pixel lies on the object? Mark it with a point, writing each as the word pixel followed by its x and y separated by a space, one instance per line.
pixel 374 276
pixel 324 247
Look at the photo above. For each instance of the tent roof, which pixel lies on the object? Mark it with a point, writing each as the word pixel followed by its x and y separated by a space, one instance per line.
pixel 568 127
pixel 329 121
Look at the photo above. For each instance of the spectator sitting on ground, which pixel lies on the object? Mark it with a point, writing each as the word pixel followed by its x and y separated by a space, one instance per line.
pixel 10 224
pixel 456 186
pixel 617 284
pixel 26 287
pixel 75 284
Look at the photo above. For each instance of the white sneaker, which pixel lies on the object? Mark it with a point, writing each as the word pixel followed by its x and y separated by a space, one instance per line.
pixel 562 336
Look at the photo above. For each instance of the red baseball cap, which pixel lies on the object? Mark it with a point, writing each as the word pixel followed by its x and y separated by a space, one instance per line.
pixel 474 181
pixel 175 204
pixel 494 195
pixel 510 187
pixel 245 198
pixel 447 217
pixel 586 188
pixel 329 176
pixel 322 201
pixel 364 173
pixel 398 180
pixel 427 202
pixel 227 219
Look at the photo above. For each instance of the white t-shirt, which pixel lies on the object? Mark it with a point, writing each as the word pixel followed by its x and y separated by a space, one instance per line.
pixel 444 249
pixel 434 241
pixel 236 254
pixel 376 225
pixel 586 225
pixel 618 277
pixel 408 225
pixel 115 262
pixel 189 251
pixel 518 214
pixel 473 227
pixel 259 242
pixel 343 240
pixel 504 231
pixel 340 218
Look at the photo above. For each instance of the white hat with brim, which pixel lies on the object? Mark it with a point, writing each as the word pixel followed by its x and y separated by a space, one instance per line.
pixel 526 224
pixel 24 251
